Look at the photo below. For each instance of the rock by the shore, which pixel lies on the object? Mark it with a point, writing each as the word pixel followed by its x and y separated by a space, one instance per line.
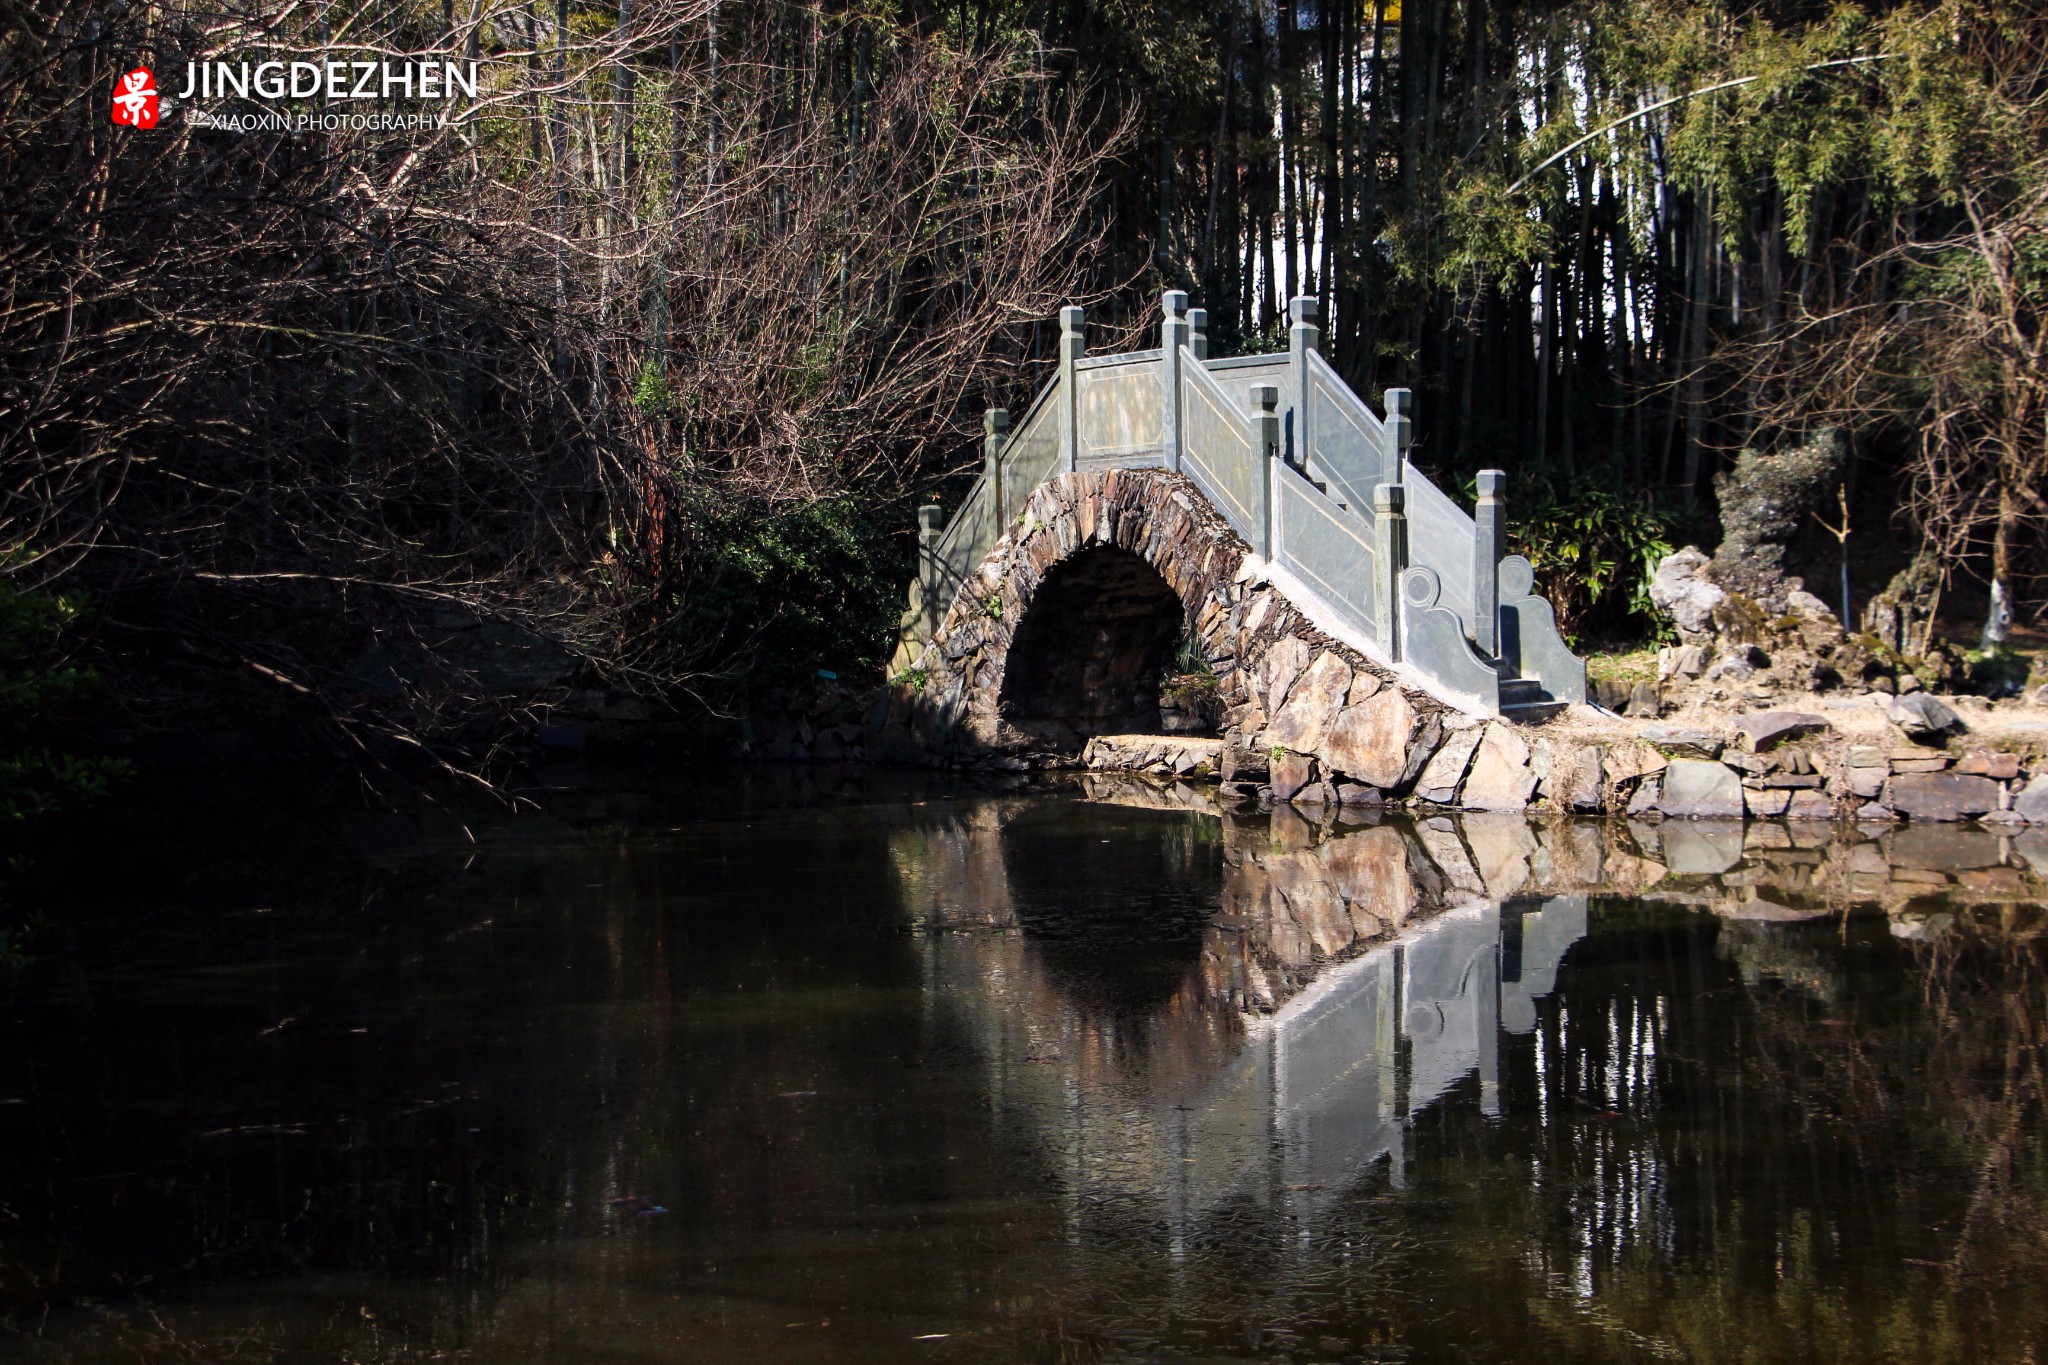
pixel 1702 742
pixel 1445 771
pixel 1923 716
pixel 2031 804
pixel 1500 779
pixel 1765 730
pixel 1681 590
pixel 1697 788
pixel 1942 796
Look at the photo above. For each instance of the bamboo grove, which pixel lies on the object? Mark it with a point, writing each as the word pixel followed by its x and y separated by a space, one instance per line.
pixel 1612 244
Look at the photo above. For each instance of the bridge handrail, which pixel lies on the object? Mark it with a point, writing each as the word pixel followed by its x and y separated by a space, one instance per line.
pixel 976 525
pixel 1217 451
pixel 1440 533
pixel 1376 541
pixel 1353 466
pixel 1041 421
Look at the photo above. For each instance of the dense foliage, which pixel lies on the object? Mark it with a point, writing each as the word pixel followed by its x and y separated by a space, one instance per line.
pixel 654 342
pixel 1594 550
pixel 337 418
pixel 39 684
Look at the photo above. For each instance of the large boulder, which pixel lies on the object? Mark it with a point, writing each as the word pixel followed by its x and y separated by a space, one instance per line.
pixel 1682 591
pixel 1699 789
pixel 1766 501
pixel 1943 796
pixel 1769 632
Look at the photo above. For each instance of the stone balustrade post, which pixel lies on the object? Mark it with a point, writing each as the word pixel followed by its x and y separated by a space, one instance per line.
pixel 1173 334
pixel 1488 545
pixel 1198 332
pixel 995 434
pixel 1304 334
pixel 1265 437
pixel 931 524
pixel 1390 560
pixel 1073 345
pixel 1400 434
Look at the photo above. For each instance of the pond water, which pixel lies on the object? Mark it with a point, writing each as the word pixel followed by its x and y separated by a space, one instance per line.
pixel 1088 1072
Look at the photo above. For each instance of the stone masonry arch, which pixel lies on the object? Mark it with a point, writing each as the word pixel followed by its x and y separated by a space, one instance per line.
pixel 1302 711
pixel 1087 656
pixel 1077 527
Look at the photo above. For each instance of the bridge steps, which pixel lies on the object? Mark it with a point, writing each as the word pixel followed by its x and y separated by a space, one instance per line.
pixel 1524 701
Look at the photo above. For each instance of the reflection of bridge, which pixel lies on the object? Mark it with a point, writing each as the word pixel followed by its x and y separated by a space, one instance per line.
pixel 1348 1061
pixel 1301 469
pixel 1336 996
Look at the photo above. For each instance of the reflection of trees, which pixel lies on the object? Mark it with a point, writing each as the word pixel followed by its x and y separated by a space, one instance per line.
pixel 1853 1171
pixel 863 1074
pixel 1987 1080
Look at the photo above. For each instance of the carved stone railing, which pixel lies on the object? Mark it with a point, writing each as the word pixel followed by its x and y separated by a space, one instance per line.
pixel 1315 481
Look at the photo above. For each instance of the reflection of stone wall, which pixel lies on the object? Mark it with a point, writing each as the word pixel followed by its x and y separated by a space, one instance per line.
pixel 1306 894
pixel 1357 969
pixel 1296 895
pixel 1313 874
pixel 1923 878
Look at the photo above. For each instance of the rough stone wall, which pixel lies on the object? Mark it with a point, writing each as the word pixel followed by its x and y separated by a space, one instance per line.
pixel 1344 720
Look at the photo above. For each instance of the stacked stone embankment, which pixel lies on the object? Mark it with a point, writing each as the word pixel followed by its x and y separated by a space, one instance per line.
pixel 1309 721
pixel 1325 744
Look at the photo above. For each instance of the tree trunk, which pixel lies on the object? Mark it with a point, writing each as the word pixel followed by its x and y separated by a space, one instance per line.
pixel 1998 616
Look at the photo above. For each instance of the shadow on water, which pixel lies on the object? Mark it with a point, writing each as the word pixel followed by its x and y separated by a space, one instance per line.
pixel 889 1068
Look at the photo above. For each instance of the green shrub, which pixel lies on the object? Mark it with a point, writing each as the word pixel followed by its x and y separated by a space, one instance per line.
pixel 1595 550
pixel 2001 671
pixel 772 597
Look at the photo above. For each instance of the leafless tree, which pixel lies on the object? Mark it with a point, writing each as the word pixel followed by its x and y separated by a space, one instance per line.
pixel 364 415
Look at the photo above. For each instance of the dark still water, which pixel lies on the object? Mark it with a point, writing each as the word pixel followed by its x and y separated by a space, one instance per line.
pixel 1071 1074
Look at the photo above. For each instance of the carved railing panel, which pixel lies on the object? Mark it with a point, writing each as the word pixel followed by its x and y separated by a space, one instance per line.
pixel 967 540
pixel 1440 536
pixel 1218 452
pixel 1347 439
pixel 1120 411
pixel 1033 453
pixel 1327 548
pixel 1236 375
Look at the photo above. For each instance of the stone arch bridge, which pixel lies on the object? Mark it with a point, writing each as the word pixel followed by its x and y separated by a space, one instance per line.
pixel 1253 508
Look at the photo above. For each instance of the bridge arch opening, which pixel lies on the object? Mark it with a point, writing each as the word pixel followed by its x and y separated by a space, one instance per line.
pixel 1092 649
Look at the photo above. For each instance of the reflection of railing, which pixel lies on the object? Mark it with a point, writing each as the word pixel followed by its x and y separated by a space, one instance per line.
pixel 1210 1100
pixel 1317 482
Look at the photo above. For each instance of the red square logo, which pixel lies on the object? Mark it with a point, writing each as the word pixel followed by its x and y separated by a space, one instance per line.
pixel 135 99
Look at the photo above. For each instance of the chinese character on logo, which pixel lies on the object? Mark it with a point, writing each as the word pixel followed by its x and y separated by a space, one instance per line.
pixel 135 100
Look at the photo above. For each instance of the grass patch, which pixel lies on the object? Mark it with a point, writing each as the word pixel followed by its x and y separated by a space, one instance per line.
pixel 1631 666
